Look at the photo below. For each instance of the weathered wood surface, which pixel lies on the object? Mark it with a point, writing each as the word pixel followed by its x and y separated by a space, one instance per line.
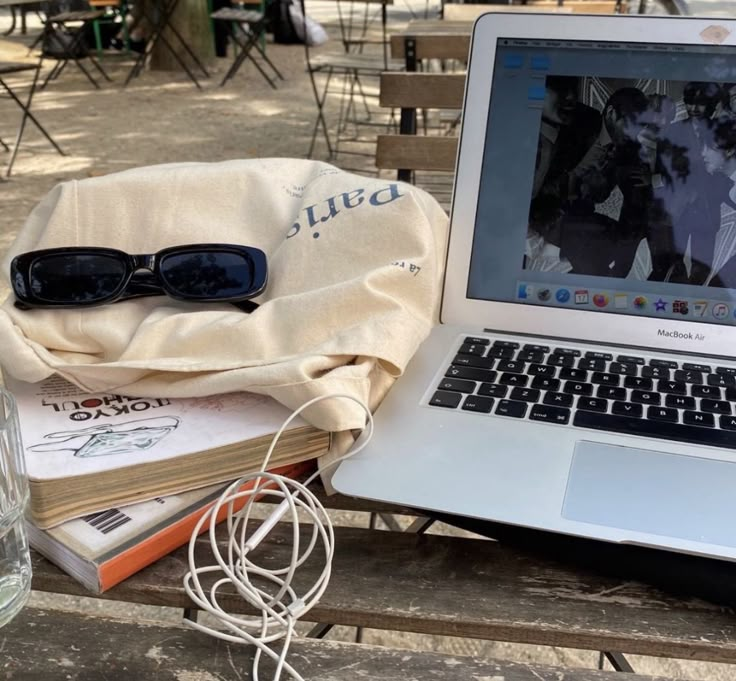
pixel 460 587
pixel 435 39
pixel 453 11
pixel 416 152
pixel 46 644
pixel 580 6
pixel 422 90
pixel 361 62
pixel 371 2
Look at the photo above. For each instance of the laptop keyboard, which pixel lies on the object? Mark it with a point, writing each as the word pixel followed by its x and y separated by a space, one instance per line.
pixel 621 393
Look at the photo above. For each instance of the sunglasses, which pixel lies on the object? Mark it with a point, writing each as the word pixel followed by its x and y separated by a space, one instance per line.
pixel 81 277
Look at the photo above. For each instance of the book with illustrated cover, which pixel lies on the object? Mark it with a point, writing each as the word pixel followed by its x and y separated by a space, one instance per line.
pixel 102 549
pixel 92 452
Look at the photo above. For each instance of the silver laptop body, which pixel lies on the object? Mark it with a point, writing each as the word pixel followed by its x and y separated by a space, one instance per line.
pixel 582 379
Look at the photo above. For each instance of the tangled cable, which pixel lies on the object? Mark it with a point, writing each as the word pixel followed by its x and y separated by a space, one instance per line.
pixel 280 606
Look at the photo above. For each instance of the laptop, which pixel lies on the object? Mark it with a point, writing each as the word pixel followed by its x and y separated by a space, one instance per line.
pixel 582 377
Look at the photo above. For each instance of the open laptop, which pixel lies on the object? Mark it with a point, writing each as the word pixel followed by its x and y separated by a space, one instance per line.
pixel 582 379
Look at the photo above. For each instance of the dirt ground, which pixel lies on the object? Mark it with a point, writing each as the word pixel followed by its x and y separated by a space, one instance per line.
pixel 160 118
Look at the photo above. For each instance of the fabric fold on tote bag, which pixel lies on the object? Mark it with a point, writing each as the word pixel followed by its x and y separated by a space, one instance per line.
pixel 355 268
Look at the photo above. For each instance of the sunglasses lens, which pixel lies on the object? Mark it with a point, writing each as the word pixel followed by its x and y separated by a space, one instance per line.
pixel 208 275
pixel 76 279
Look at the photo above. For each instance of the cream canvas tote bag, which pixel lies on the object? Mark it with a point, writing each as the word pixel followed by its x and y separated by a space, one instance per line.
pixel 354 282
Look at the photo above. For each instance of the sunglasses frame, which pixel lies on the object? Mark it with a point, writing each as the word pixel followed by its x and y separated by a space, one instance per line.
pixel 22 264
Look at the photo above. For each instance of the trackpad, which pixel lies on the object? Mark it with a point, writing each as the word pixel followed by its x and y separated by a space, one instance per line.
pixel 652 492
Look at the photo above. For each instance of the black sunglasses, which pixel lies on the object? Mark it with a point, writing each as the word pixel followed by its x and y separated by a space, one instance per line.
pixel 200 273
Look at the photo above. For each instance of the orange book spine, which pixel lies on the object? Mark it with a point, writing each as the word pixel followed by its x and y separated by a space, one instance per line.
pixel 163 542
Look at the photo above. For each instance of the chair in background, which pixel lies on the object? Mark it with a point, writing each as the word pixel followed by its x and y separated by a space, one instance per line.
pixel 246 29
pixel 350 76
pixel 64 39
pixel 409 151
pixel 11 68
pixel 580 6
pixel 471 11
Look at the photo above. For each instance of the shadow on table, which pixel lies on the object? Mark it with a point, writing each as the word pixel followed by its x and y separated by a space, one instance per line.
pixel 679 574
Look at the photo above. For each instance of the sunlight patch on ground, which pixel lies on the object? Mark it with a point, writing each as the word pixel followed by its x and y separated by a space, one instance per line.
pixel 50 105
pixel 174 86
pixel 39 165
pixel 190 139
pixel 135 135
pixel 14 51
pixel 6 239
pixel 222 96
pixel 267 109
pixel 60 137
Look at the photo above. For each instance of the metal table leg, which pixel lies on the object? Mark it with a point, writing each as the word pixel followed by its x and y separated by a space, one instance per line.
pixel 12 21
pixel 26 108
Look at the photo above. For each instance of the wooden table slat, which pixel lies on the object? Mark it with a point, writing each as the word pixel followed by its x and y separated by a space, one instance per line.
pixel 422 90
pixel 416 152
pixel 434 39
pixel 400 581
pixel 47 644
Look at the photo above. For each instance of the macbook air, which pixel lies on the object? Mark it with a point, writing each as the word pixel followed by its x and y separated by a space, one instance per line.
pixel 582 379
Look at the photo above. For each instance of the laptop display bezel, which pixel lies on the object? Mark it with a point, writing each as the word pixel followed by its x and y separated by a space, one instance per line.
pixel 457 308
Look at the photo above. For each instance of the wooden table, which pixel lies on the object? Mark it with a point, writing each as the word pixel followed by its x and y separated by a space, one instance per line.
pixel 13 5
pixel 449 38
pixel 383 579
pixel 453 11
pixel 431 39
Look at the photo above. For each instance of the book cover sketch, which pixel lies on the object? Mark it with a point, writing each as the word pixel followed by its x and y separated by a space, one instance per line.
pixel 67 432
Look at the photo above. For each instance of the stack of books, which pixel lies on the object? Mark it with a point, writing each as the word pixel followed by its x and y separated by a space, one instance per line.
pixel 118 482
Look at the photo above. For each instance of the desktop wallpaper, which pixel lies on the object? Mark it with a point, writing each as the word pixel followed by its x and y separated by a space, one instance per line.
pixel 635 179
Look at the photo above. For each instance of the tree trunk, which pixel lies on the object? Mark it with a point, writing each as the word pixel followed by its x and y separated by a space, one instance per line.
pixel 191 19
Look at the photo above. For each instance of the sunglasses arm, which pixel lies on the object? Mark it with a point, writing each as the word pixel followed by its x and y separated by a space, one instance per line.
pixel 246 306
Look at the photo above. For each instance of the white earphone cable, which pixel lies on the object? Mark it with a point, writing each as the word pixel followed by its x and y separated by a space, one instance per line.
pixel 279 611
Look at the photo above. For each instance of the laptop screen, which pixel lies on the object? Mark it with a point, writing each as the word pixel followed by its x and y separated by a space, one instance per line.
pixel 609 180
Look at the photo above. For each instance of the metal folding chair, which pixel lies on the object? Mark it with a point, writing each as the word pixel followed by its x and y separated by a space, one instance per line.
pixel 63 39
pixel 365 57
pixel 7 68
pixel 246 29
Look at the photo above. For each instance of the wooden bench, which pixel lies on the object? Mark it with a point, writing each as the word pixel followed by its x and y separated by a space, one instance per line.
pixel 410 92
pixel 462 12
pixel 382 579
pixel 80 647
pixel 581 6
pixel 469 12
pixel 432 39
